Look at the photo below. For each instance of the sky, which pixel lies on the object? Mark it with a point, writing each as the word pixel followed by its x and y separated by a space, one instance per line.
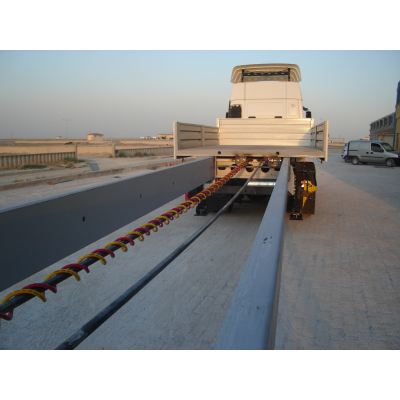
pixel 137 93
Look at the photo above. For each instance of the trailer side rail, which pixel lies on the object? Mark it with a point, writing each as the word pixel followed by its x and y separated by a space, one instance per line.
pixel 319 137
pixel 188 136
pixel 250 323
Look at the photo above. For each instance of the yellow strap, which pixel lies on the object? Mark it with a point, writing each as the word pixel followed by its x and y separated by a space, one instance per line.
pixel 191 202
pixel 199 200
pixel 101 258
pixel 309 187
pixel 65 271
pixel 140 236
pixel 208 190
pixel 175 212
pixel 185 208
pixel 123 246
pixel 166 219
pixel 154 229
pixel 24 291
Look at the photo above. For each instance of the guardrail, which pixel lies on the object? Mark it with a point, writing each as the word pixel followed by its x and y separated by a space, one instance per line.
pixel 250 323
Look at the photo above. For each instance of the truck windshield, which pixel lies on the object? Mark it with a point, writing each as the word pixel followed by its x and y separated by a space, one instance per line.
pixel 387 146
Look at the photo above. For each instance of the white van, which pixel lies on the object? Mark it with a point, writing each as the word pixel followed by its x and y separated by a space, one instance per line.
pixel 371 151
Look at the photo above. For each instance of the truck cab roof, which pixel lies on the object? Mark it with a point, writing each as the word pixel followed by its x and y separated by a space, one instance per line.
pixel 266 72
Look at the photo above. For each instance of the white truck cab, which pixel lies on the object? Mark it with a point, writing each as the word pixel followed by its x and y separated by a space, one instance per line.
pixel 266 91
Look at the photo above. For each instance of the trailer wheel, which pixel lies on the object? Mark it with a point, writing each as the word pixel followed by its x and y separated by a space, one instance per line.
pixel 355 161
pixel 389 162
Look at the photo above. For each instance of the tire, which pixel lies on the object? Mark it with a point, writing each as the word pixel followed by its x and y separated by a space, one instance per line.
pixel 347 159
pixel 389 162
pixel 355 161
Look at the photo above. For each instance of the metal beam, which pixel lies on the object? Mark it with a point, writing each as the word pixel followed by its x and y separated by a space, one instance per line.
pixel 37 234
pixel 250 323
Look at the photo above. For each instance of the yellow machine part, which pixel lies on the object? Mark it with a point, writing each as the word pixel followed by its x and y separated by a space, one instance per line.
pixel 308 188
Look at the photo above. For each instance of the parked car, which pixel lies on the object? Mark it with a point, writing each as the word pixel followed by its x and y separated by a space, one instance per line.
pixel 344 151
pixel 371 151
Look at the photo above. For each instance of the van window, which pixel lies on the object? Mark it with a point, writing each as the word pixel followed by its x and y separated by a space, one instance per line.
pixel 387 146
pixel 375 147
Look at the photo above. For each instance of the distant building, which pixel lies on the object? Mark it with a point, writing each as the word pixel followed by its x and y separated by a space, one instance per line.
pixel 165 136
pixel 95 136
pixel 383 129
pixel 59 137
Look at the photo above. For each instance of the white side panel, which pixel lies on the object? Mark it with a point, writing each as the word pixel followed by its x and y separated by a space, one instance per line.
pixel 293 109
pixel 191 136
pixel 293 91
pixel 265 109
pixel 265 90
pixel 285 132
pixel 319 137
pixel 268 99
pixel 237 92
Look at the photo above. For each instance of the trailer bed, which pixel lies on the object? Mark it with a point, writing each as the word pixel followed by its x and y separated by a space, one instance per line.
pixel 255 151
pixel 253 137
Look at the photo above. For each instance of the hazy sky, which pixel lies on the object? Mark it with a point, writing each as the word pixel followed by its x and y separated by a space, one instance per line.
pixel 137 93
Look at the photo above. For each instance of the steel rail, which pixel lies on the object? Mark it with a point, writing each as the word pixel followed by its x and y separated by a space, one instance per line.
pixel 250 323
pixel 78 337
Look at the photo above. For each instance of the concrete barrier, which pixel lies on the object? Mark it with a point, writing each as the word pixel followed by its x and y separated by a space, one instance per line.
pixel 161 150
pixel 14 156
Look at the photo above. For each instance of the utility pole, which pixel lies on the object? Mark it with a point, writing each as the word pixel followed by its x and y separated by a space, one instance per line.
pixel 66 126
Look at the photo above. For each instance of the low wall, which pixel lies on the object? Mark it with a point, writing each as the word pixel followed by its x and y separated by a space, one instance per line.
pixel 18 156
pixel 7 150
pixel 144 142
pixel 96 151
pixel 165 150
pixel 59 141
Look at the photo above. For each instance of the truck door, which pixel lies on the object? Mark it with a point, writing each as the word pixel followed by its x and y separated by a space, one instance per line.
pixel 377 154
